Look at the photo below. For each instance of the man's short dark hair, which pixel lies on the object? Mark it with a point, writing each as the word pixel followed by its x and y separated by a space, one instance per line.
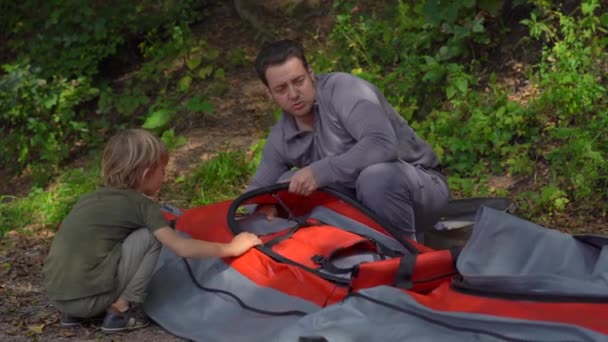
pixel 278 53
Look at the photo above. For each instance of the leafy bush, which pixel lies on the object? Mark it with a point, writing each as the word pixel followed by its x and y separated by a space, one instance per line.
pixel 41 120
pixel 71 37
pixel 427 56
pixel 55 51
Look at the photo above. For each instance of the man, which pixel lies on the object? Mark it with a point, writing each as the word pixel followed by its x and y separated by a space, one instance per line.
pixel 339 131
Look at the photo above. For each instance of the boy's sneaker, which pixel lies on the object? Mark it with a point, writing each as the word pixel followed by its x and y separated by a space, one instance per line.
pixel 133 318
pixel 71 321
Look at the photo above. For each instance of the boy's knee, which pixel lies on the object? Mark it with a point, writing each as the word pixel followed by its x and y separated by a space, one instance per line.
pixel 145 237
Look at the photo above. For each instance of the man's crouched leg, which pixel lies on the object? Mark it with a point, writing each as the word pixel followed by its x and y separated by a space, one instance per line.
pixel 405 196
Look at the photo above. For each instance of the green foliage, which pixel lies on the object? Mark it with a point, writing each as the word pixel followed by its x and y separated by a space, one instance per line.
pixel 427 56
pixel 71 37
pixel 42 121
pixel 49 91
pixel 222 177
pixel 430 57
pixel 573 105
pixel 49 207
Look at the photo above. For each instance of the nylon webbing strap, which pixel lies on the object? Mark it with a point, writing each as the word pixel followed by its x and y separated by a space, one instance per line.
pixel 328 266
pixel 290 213
pixel 284 237
pixel 403 278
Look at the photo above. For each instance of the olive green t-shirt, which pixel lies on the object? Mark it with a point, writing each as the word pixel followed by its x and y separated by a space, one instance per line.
pixel 84 255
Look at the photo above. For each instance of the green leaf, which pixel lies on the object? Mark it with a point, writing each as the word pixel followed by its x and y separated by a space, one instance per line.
pixel 604 19
pixel 468 3
pixel 205 71
pixel 49 101
pixel 437 11
pixel 184 83
pixel 197 104
pixel 194 61
pixel 207 107
pixel 492 6
pixel 171 140
pixel 478 26
pixel 180 141
pixel 433 75
pixel 501 111
pixel 212 54
pixel 219 74
pixel 157 119
pixel 450 91
pixel 462 84
pixel 588 8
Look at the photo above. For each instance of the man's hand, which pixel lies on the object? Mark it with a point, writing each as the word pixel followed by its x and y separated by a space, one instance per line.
pixel 242 243
pixel 268 210
pixel 303 182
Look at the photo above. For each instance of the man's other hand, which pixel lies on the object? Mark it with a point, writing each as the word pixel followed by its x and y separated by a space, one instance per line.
pixel 303 182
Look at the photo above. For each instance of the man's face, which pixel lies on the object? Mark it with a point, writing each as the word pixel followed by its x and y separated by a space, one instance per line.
pixel 292 87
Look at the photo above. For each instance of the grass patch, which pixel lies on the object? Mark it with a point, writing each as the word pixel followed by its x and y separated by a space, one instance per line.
pixel 221 178
pixel 47 207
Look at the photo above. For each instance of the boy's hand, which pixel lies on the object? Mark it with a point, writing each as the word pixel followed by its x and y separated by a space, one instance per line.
pixel 242 243
pixel 268 210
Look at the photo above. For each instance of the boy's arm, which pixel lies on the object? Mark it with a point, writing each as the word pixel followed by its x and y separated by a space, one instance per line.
pixel 192 248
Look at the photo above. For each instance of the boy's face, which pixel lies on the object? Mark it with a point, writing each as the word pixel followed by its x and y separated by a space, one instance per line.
pixel 153 180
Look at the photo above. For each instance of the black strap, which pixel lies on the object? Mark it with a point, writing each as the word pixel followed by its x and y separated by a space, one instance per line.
pixel 283 237
pixel 327 265
pixel 312 339
pixel 455 252
pixel 386 252
pixel 403 278
pixel 238 299
pixel 280 258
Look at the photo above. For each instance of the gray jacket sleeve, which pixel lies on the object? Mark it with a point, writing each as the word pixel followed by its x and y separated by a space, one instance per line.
pixel 362 116
pixel 271 167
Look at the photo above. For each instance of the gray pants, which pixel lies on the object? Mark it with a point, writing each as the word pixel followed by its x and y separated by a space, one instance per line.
pixel 405 196
pixel 139 253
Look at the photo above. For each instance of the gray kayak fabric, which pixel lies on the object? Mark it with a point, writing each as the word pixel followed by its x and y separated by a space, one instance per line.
pixel 259 225
pixel 183 309
pixel 505 253
pixel 509 254
pixel 385 314
pixel 335 219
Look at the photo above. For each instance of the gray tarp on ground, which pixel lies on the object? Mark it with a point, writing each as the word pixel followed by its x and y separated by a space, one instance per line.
pixel 507 253
pixel 386 314
pixel 522 254
pixel 179 306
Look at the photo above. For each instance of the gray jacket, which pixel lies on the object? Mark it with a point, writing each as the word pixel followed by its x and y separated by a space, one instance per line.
pixel 355 127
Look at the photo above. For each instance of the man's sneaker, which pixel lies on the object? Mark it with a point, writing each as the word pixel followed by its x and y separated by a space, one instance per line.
pixel 133 318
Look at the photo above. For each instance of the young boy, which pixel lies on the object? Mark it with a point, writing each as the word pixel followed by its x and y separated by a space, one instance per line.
pixel 105 251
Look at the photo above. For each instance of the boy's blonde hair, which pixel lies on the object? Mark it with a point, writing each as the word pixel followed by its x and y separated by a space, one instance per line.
pixel 128 154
